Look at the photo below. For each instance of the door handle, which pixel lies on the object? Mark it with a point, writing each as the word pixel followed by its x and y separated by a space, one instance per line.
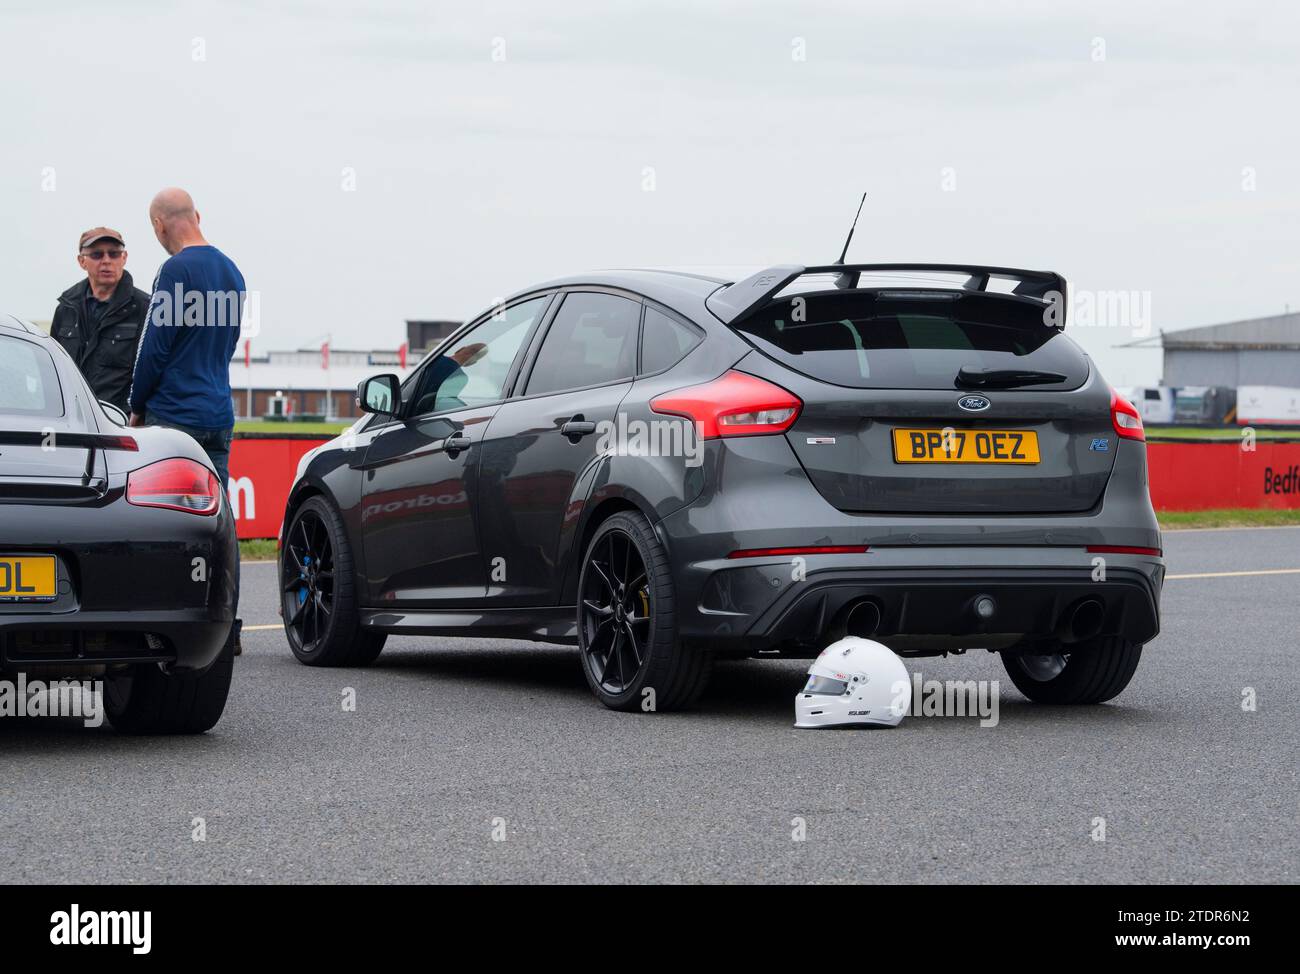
pixel 576 428
pixel 455 443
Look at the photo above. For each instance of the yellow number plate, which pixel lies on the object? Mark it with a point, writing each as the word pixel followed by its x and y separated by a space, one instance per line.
pixel 965 446
pixel 27 577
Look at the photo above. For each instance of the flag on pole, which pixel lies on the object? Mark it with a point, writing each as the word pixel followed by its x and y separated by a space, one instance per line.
pixel 248 354
pixel 401 355
pixel 325 356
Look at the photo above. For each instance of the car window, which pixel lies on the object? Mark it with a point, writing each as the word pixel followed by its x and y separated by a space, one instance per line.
pixel 592 340
pixel 474 369
pixel 879 344
pixel 664 341
pixel 29 385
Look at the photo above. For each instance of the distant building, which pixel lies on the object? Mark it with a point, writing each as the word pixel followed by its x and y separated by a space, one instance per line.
pixel 298 384
pixel 1254 352
pixel 424 335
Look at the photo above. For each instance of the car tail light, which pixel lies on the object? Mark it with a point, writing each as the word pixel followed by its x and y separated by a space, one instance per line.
pixel 735 404
pixel 177 484
pixel 1124 417
pixel 1122 549
pixel 823 549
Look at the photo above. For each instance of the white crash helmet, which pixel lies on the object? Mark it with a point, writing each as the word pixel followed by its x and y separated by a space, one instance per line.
pixel 853 681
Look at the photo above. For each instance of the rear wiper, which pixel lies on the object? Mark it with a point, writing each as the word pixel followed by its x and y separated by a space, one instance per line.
pixel 1004 378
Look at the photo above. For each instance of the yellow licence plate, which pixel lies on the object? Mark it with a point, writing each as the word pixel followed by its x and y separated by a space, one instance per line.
pixel 965 446
pixel 27 577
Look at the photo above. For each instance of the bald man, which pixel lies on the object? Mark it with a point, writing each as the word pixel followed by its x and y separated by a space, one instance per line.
pixel 182 370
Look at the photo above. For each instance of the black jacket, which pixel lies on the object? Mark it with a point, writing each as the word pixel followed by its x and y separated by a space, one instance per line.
pixel 107 357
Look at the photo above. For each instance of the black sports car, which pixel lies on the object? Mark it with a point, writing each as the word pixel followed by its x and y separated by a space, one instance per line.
pixel 668 468
pixel 117 548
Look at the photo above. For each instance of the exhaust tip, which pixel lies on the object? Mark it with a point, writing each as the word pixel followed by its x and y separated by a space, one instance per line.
pixel 862 619
pixel 1084 620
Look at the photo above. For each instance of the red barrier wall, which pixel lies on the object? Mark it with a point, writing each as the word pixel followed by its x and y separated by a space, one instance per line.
pixel 1184 477
pixel 1204 476
pixel 261 473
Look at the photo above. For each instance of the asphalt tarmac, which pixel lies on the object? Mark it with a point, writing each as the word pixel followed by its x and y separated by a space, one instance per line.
pixel 489 760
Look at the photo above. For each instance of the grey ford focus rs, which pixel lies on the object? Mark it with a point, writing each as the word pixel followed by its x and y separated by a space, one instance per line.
pixel 666 468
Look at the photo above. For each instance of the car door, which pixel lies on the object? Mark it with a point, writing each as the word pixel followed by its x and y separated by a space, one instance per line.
pixel 540 450
pixel 418 523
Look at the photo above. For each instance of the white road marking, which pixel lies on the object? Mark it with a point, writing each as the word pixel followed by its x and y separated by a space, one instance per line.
pixel 1173 529
pixel 1266 571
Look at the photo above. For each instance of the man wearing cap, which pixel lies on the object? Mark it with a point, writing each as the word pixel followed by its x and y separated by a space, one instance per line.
pixel 98 320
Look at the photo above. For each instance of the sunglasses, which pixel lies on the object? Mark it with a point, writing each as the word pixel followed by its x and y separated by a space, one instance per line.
pixel 113 254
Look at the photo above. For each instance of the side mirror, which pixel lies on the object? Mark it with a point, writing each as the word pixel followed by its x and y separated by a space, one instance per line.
pixel 380 394
pixel 113 413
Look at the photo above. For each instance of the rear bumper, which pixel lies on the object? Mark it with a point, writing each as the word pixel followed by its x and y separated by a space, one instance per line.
pixel 922 572
pixel 183 639
pixel 931 610
pixel 924 600
pixel 125 574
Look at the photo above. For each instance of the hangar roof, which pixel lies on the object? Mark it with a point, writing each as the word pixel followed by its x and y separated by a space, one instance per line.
pixel 1275 332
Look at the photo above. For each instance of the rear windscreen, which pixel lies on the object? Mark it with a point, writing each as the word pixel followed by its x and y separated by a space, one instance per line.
pixel 29 385
pixel 871 343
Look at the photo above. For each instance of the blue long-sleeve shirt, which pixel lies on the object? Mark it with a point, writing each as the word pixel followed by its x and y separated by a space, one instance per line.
pixel 182 368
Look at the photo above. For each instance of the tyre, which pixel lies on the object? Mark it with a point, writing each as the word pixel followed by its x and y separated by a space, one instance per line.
pixel 631 654
pixel 318 592
pixel 148 700
pixel 1091 671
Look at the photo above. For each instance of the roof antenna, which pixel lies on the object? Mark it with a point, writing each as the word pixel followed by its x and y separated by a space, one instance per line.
pixel 847 280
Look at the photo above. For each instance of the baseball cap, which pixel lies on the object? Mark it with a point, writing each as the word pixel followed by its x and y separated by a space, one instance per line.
pixel 95 234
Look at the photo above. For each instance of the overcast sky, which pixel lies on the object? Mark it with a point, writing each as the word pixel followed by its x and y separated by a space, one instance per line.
pixel 1134 147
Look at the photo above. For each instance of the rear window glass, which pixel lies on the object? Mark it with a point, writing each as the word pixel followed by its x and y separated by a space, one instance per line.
pixel 863 342
pixel 29 386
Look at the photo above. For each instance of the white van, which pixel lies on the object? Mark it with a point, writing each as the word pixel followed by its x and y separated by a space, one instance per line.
pixel 1268 405
pixel 1155 404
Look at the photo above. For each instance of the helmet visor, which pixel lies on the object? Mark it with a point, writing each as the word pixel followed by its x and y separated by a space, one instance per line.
pixel 825 685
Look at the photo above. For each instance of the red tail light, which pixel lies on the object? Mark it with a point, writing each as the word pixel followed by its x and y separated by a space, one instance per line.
pixel 177 484
pixel 735 404
pixel 1122 549
pixel 824 549
pixel 1124 417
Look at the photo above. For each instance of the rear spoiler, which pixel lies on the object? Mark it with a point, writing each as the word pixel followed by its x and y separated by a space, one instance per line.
pixel 735 301
pixel 53 439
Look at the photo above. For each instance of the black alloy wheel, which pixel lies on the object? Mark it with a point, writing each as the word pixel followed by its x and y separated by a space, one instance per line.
pixel 307 580
pixel 615 613
pixel 631 652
